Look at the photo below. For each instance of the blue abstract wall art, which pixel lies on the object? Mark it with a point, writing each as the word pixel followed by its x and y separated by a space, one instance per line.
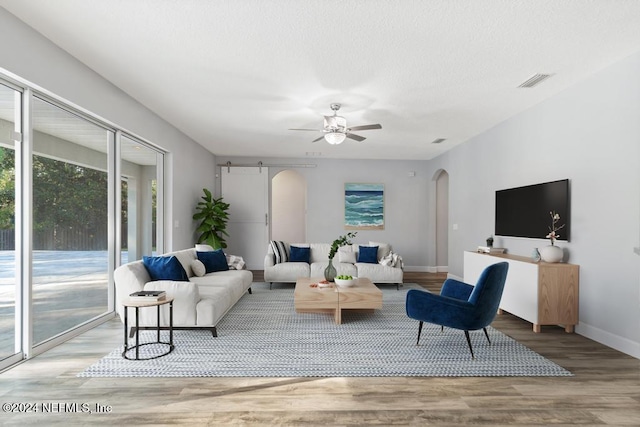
pixel 364 206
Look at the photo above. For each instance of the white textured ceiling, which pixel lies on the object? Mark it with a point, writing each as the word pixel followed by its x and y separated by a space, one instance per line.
pixel 235 75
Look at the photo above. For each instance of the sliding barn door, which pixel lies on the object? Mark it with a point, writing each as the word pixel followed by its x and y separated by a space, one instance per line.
pixel 246 189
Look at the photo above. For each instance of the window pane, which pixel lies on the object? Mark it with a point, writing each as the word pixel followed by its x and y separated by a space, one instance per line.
pixel 9 331
pixel 138 216
pixel 70 220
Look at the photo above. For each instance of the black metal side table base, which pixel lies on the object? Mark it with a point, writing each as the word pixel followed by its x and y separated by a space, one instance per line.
pixel 124 353
pixel 137 328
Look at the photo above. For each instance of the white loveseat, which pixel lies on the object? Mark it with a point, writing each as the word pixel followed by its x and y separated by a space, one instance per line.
pixel 289 272
pixel 199 303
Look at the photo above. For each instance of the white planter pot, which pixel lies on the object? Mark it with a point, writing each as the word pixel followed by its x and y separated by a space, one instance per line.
pixel 551 254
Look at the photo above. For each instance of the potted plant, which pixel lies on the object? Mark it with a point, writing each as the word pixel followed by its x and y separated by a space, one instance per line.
pixel 330 272
pixel 213 217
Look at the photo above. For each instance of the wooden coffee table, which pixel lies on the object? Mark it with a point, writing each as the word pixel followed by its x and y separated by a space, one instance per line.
pixel 364 296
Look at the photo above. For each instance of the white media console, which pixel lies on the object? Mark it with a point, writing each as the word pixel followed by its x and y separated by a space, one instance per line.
pixel 541 293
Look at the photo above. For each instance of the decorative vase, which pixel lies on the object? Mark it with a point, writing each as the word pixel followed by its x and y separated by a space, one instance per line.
pixel 551 253
pixel 535 255
pixel 330 272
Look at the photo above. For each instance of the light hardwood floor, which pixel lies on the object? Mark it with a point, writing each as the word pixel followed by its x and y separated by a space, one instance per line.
pixel 604 391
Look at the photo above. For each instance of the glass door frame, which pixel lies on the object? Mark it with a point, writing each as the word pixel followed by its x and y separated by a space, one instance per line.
pixel 24 151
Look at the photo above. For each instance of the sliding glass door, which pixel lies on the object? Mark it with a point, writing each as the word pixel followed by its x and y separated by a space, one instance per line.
pixel 70 220
pixel 78 197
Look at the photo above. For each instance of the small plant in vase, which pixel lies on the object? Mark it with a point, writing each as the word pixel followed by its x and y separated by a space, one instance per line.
pixel 553 253
pixel 555 217
pixel 330 272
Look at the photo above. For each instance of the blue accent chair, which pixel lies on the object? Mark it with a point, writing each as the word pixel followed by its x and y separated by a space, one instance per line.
pixel 459 305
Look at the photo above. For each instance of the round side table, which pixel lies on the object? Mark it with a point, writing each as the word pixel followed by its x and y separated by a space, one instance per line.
pixel 137 304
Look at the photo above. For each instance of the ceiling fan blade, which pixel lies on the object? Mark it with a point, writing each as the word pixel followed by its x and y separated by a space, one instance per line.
pixel 356 137
pixel 313 130
pixel 366 127
pixel 318 139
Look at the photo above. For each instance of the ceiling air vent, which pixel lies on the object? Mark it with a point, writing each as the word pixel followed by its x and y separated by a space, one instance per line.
pixel 534 80
pixel 438 141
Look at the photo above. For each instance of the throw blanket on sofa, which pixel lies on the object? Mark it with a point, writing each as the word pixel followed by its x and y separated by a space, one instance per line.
pixel 235 262
pixel 392 260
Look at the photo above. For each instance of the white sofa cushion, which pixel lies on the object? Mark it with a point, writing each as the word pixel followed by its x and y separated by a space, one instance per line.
pixel 346 254
pixel 237 281
pixel 198 268
pixel 379 273
pixel 200 247
pixel 185 296
pixel 383 249
pixel 185 257
pixel 287 272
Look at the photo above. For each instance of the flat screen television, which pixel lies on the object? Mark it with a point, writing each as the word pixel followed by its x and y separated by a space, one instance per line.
pixel 524 211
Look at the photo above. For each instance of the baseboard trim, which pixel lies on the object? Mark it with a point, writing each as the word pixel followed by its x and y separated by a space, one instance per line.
pixel 616 342
pixel 417 269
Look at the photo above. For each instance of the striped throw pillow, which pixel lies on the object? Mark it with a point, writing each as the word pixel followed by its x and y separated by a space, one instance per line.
pixel 280 251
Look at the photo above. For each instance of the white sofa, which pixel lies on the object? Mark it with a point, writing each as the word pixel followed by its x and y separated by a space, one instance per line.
pixel 289 272
pixel 199 303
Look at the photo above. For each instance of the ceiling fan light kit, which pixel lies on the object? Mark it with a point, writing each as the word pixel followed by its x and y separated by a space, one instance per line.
pixel 335 128
pixel 335 138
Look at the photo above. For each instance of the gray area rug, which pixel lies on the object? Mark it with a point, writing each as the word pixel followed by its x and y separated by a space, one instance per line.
pixel 262 336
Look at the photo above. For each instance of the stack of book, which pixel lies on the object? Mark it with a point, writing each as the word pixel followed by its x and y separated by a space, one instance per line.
pixel 148 296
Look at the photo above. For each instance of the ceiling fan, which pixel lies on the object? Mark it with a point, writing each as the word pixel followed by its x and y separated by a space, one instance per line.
pixel 335 128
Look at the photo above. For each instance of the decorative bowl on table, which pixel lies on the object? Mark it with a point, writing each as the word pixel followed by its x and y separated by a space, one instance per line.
pixel 345 283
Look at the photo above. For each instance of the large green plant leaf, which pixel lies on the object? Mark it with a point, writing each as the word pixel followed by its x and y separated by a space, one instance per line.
pixel 213 216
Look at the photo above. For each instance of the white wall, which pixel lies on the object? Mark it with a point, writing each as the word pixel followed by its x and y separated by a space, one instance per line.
pixel 405 199
pixel 33 59
pixel 590 134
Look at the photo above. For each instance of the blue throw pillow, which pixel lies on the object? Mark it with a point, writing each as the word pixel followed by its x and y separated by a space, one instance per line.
pixel 368 254
pixel 165 268
pixel 213 260
pixel 299 254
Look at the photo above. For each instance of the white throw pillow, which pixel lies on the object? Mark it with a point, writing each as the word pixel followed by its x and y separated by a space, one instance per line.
pixel 383 249
pixel 204 248
pixel 346 254
pixel 198 267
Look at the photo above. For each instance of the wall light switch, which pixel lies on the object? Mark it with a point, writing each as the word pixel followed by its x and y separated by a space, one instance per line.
pixel 176 224
pixel 455 226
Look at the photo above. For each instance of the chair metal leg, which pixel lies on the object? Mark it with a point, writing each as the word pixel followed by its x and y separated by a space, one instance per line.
pixel 466 334
pixel 270 284
pixel 419 332
pixel 486 334
pixel 441 328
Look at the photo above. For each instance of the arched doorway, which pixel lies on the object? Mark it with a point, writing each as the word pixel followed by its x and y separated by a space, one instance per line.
pixel 289 207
